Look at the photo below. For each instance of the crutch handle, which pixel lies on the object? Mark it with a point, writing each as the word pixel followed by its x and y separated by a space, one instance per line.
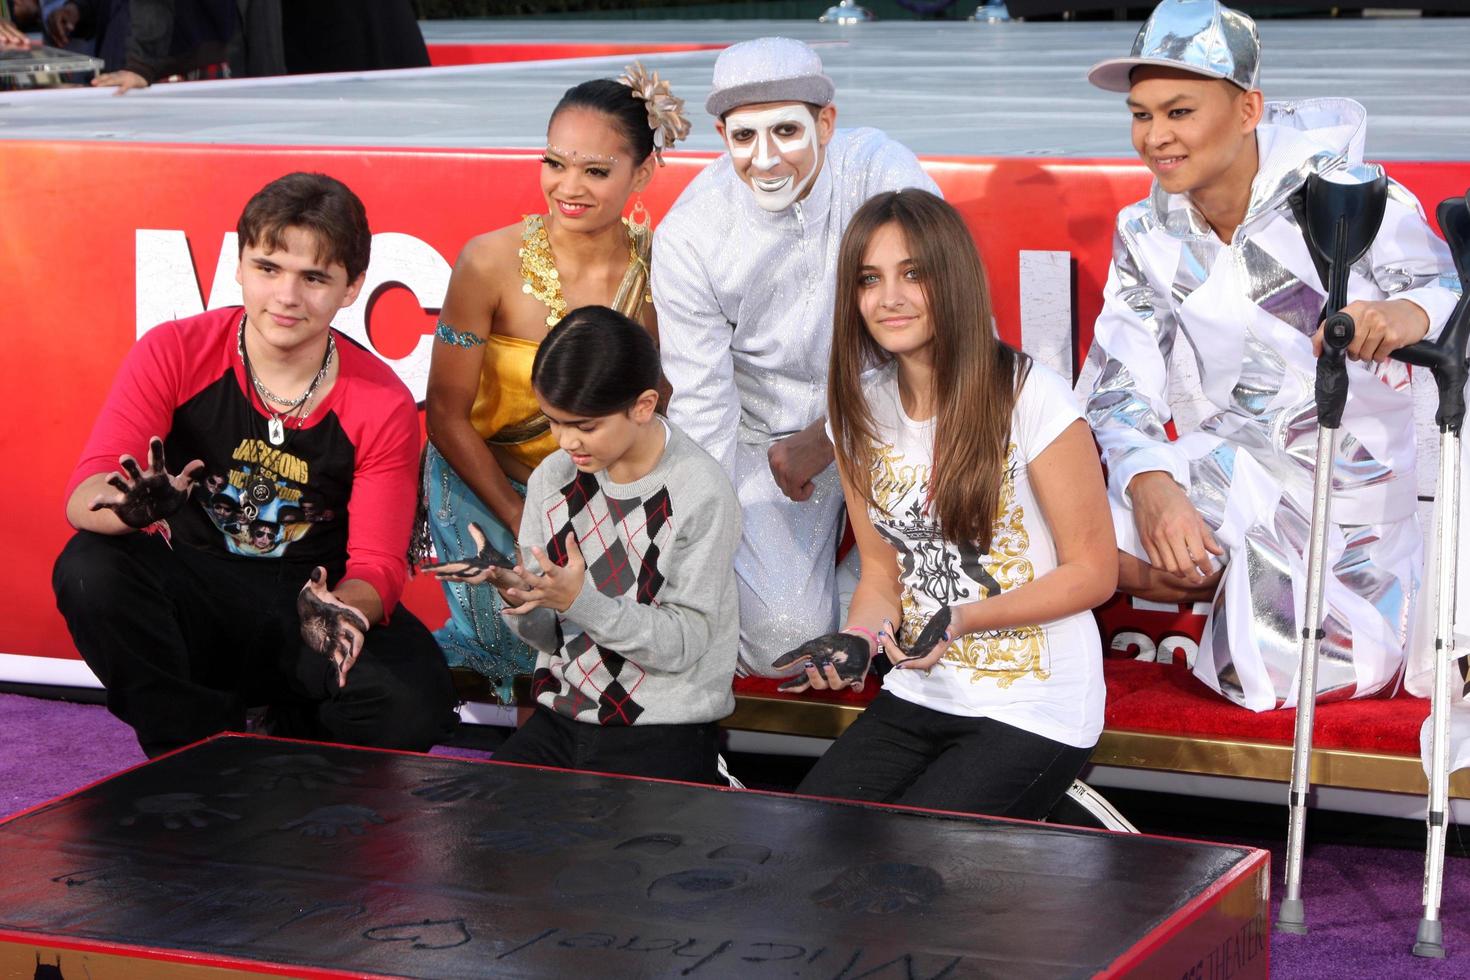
pixel 1445 356
pixel 1332 377
pixel 1337 332
pixel 1445 359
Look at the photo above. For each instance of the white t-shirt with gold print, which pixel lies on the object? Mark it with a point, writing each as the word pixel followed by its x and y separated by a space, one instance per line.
pixel 1045 678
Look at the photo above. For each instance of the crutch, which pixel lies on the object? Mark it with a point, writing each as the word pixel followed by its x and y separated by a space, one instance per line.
pixel 1339 223
pixel 1445 358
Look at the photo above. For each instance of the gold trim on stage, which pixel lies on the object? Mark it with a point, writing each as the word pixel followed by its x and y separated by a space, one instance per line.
pixel 786 716
pixel 1338 768
pixel 21 957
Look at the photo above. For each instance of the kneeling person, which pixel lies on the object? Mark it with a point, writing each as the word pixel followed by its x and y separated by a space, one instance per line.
pixel 1216 253
pixel 272 560
pixel 628 593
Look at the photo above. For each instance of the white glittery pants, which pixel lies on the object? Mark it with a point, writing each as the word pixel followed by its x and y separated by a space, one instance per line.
pixel 1251 648
pixel 785 562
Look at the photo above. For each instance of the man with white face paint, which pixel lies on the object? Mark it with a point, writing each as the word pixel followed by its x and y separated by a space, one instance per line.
pixel 743 279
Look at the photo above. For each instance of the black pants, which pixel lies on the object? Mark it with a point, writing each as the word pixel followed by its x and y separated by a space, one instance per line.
pixel 185 641
pixel 683 752
pixel 900 752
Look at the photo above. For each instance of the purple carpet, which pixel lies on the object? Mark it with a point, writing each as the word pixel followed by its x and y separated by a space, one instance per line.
pixel 53 748
pixel 1362 902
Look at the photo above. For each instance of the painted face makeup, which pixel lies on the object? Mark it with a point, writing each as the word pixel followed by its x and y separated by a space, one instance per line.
pixel 775 151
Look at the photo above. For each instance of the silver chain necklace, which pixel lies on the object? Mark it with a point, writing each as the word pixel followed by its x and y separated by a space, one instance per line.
pixel 276 427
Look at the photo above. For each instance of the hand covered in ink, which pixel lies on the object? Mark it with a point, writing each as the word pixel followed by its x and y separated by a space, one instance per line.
pixel 928 647
pixel 476 568
pixel 330 626
pixel 145 497
pixel 831 662
pixel 557 588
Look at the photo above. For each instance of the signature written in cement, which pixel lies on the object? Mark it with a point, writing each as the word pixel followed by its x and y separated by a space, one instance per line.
pixel 690 956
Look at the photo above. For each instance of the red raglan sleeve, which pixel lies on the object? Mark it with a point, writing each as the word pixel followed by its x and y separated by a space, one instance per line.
pixel 140 405
pixel 384 485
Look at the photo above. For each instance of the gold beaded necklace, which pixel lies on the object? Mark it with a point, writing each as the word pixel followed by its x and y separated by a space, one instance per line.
pixel 539 277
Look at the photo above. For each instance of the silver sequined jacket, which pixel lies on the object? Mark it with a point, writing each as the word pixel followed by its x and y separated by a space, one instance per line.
pixel 1248 310
pixel 744 296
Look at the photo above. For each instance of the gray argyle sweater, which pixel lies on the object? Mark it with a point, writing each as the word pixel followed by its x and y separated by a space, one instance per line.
pixel 652 638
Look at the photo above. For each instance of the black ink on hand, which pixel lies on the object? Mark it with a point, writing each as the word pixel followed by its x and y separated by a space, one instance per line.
pixel 330 626
pixel 147 497
pixel 847 653
pixel 484 559
pixel 934 632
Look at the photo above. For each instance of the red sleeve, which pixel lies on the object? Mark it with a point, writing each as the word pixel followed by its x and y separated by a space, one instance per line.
pixel 140 405
pixel 384 485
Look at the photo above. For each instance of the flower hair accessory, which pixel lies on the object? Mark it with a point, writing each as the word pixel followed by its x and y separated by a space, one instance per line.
pixel 665 109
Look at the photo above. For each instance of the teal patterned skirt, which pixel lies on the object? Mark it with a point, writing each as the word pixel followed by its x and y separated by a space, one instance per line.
pixel 474 635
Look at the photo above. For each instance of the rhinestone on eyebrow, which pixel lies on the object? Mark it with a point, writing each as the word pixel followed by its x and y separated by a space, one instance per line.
pixel 572 156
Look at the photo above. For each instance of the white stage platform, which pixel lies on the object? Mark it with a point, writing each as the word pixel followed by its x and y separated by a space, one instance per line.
pixel 943 88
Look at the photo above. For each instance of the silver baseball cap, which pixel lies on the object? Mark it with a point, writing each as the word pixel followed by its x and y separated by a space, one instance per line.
pixel 767 69
pixel 1200 36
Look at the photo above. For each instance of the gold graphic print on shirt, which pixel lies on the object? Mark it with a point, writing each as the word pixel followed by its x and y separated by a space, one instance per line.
pixel 957 572
pixel 260 505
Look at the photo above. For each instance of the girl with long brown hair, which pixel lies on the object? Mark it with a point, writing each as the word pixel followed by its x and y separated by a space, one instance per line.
pixel 975 492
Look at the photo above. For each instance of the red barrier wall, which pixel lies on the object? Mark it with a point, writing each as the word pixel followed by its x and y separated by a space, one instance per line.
pixel 70 216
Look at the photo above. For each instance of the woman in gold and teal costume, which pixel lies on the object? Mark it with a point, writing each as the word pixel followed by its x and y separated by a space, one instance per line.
pixel 509 287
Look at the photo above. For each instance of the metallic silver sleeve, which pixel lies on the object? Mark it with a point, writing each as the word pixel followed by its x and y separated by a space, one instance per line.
pixel 1132 342
pixel 1409 261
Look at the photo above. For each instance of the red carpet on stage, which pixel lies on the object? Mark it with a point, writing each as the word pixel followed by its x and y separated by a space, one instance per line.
pixel 1153 697
pixel 1144 696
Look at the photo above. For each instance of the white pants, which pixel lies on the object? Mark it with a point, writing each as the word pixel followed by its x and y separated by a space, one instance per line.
pixel 785 562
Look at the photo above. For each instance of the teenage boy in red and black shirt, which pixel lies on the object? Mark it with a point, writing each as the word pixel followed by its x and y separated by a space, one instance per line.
pixel 272 560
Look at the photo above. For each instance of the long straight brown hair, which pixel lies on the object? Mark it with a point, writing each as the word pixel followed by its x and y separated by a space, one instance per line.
pixel 976 375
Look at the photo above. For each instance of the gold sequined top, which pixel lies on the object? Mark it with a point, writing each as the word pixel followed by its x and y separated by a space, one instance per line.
pixel 505 412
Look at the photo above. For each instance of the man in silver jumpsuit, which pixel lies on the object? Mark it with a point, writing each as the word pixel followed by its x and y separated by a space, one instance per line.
pixel 743 280
pixel 1215 254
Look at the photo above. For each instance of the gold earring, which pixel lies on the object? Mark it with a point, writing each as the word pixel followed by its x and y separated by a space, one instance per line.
pixel 639 215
